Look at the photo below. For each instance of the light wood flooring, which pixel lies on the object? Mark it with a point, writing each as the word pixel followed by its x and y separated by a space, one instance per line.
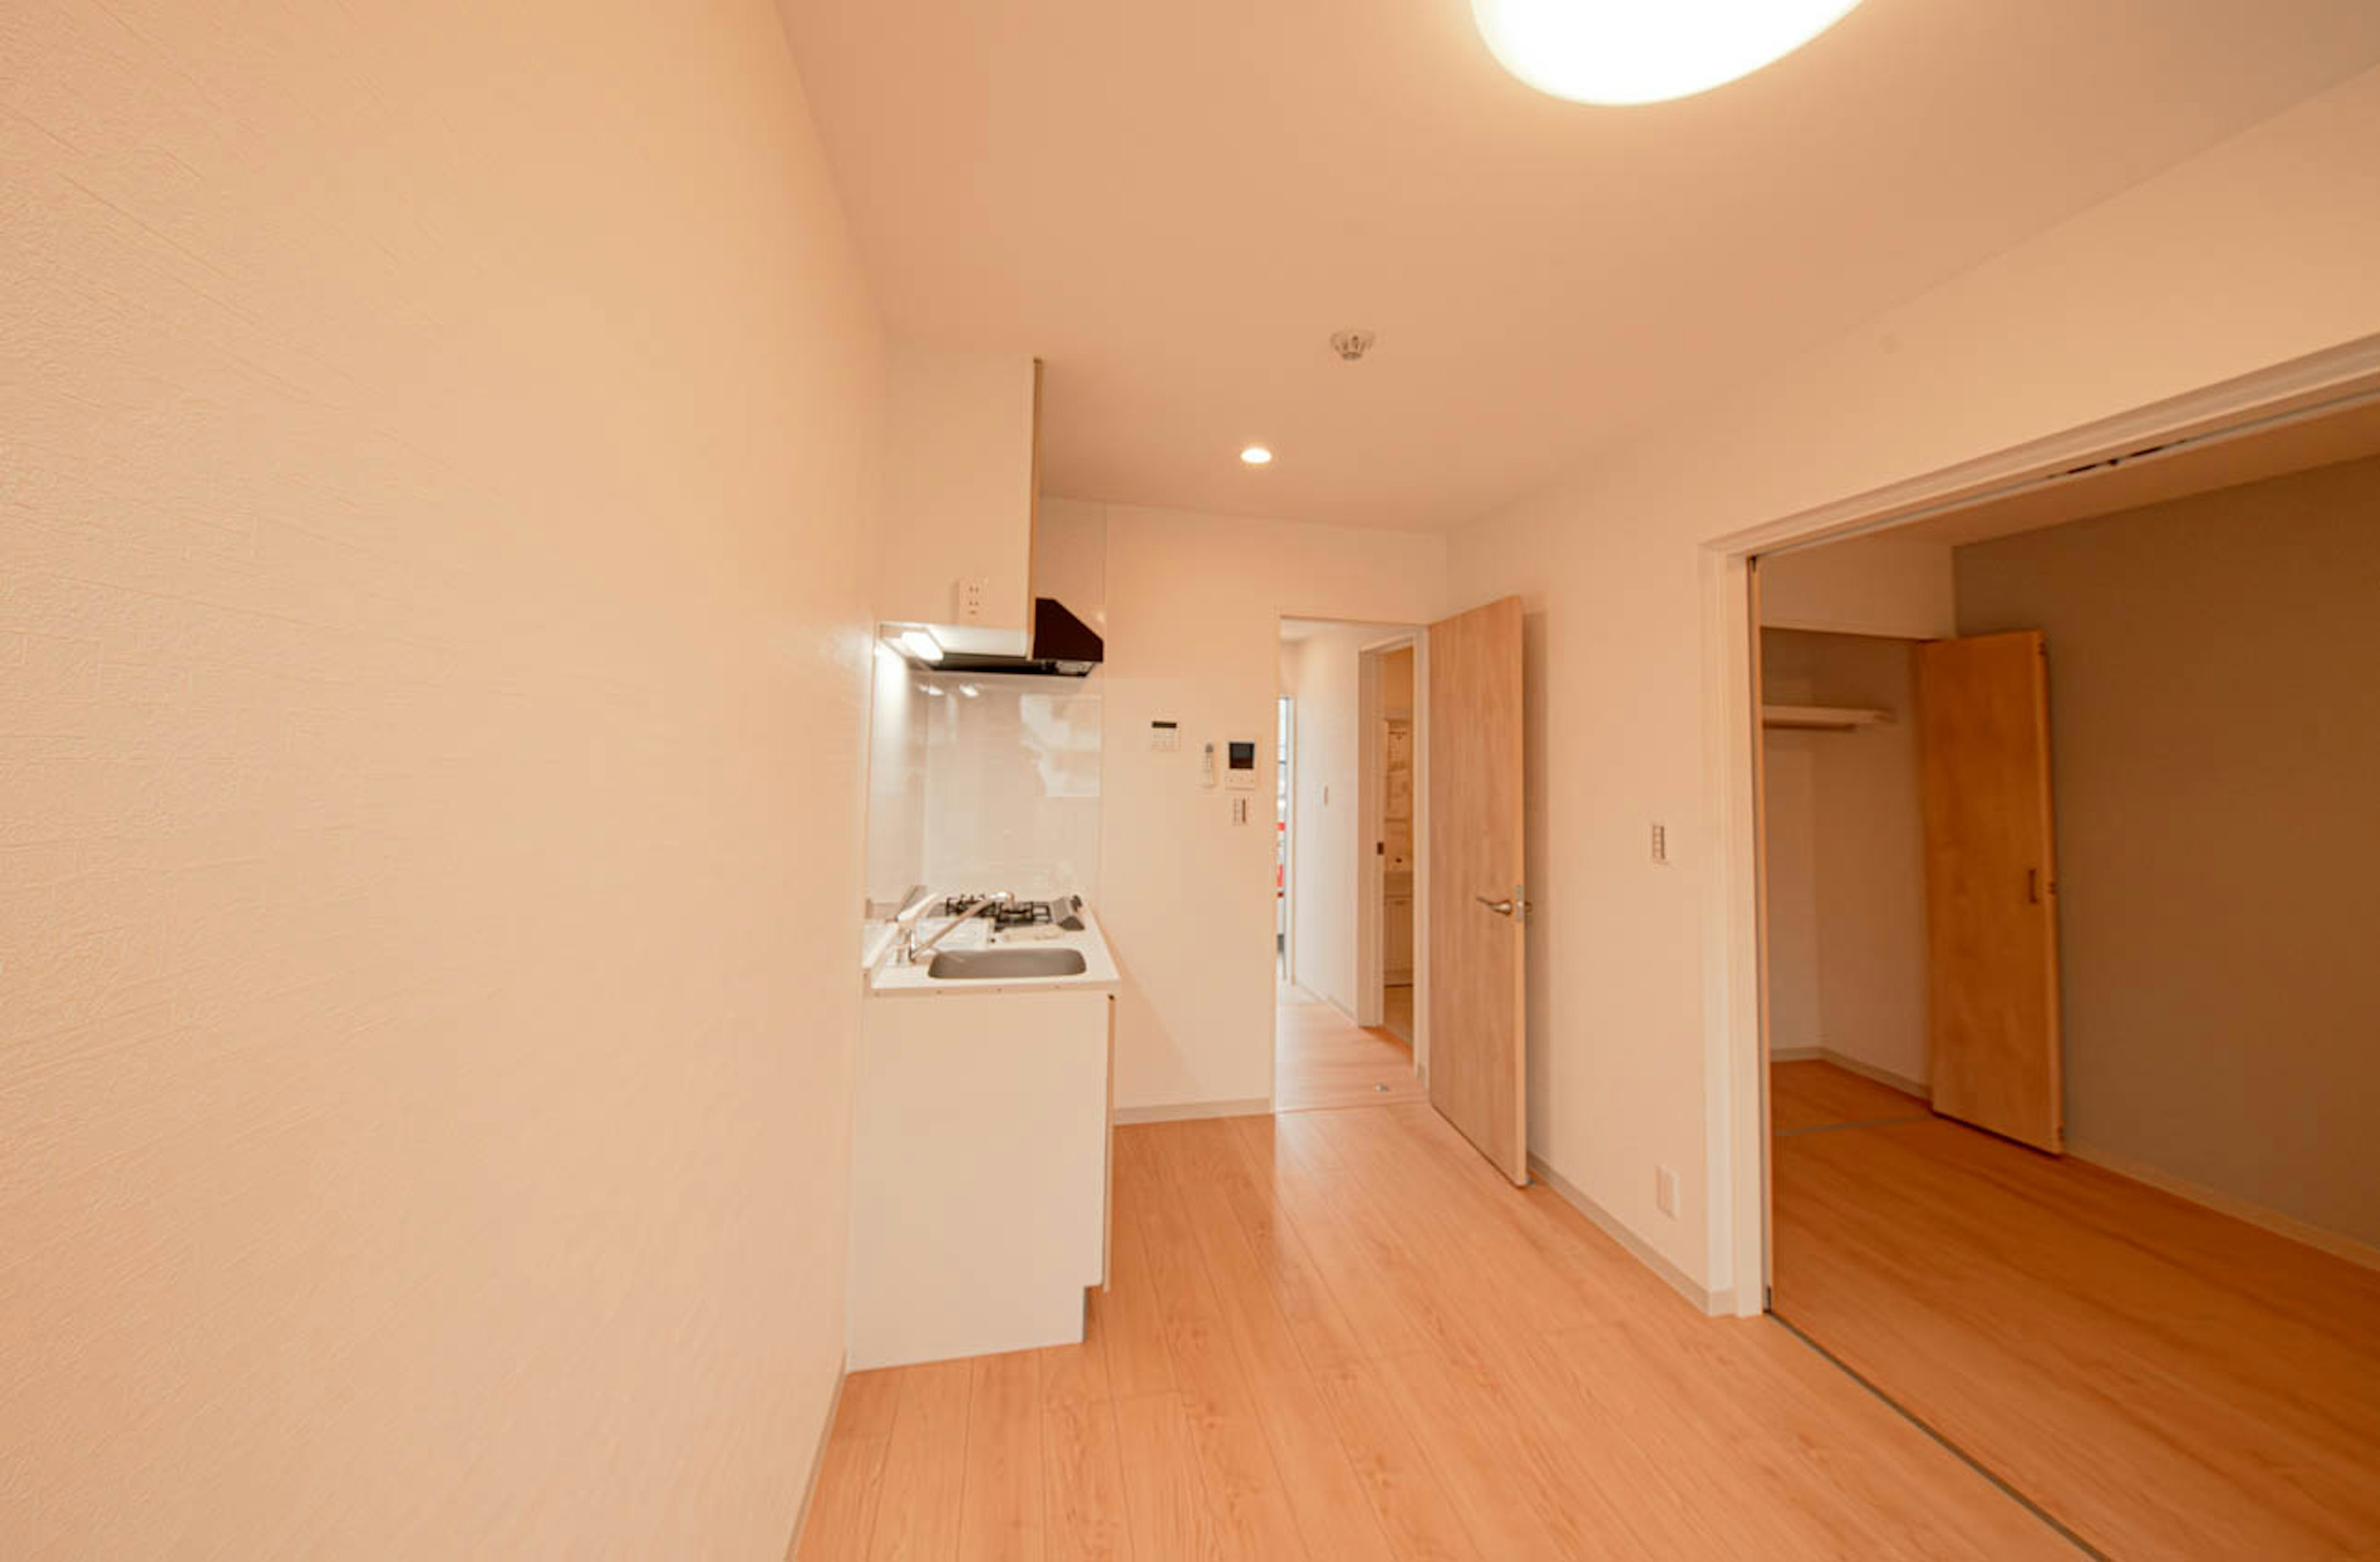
pixel 2167 1381
pixel 1322 1059
pixel 1341 1334
pixel 1816 1094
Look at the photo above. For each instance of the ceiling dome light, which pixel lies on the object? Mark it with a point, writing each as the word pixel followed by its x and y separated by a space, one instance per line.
pixel 1256 456
pixel 1646 50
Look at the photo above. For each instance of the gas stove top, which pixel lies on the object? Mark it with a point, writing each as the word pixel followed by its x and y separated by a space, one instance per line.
pixel 1004 914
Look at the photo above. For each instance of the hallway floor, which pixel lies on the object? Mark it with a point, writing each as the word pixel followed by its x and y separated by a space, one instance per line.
pixel 2165 1380
pixel 1341 1334
pixel 1323 1060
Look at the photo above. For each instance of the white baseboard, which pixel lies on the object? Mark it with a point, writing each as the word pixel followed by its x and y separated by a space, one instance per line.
pixel 1190 1111
pixel 1712 1304
pixel 817 1457
pixel 2273 1220
pixel 1902 1082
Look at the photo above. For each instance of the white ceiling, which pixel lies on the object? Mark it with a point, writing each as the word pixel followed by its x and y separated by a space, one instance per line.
pixel 1175 205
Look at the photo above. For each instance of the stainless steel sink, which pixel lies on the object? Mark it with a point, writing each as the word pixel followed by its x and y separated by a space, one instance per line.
pixel 992 965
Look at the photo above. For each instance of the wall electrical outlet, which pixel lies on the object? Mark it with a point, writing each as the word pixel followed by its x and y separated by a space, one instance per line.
pixel 971 596
pixel 1664 1190
pixel 1661 843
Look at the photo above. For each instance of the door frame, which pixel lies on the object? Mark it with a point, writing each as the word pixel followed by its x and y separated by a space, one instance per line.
pixel 1389 634
pixel 1371 902
pixel 1736 1039
pixel 1284 721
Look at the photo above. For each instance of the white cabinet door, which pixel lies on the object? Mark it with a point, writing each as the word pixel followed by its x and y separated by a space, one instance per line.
pixel 978 1198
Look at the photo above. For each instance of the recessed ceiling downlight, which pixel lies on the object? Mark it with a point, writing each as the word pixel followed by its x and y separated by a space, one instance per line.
pixel 1646 50
pixel 1256 456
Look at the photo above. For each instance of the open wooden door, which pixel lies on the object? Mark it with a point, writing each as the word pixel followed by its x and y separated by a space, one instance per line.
pixel 1991 886
pixel 1478 1070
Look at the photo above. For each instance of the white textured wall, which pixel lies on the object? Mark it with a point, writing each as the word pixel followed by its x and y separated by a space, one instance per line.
pixel 438 439
pixel 1846 843
pixel 1326 832
pixel 1195 607
pixel 2259 250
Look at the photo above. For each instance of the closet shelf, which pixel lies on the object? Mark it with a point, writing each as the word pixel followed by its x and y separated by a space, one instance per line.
pixel 1822 718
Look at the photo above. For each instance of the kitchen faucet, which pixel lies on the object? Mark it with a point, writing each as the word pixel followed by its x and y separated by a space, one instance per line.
pixel 913 952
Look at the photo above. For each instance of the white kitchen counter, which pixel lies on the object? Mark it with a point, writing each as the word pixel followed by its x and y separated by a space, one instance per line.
pixel 979 1155
pixel 888 977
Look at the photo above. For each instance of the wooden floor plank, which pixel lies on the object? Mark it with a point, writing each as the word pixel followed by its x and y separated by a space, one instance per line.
pixel 1327 1500
pixel 1083 1468
pixel 851 1479
pixel 2163 1378
pixel 1508 1498
pixel 1322 1059
pixel 1413 1510
pixel 1600 1275
pixel 1137 1361
pixel 925 1466
pixel 1001 1502
pixel 1808 1093
pixel 1236 1466
pixel 866 1404
pixel 1075 1374
pixel 1169 1515
pixel 1207 1161
pixel 1459 1223
pixel 1308 1195
pixel 1341 1334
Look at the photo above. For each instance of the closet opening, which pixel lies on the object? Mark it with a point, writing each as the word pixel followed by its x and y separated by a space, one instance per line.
pixel 2066 874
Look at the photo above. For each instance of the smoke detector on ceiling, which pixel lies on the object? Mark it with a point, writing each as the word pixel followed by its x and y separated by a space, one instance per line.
pixel 1351 344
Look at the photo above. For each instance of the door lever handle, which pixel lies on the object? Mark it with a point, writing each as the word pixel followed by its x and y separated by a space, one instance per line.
pixel 1501 908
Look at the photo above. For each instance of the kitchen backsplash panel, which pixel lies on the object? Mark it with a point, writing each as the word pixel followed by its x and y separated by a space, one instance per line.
pixel 1012 794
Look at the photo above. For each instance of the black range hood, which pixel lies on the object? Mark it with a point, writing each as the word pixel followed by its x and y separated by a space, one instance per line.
pixel 1063 647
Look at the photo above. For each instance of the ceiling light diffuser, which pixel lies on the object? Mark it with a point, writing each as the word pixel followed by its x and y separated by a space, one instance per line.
pixel 1256 456
pixel 1646 50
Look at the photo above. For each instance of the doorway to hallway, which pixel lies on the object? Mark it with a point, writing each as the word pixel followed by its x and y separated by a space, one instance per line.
pixel 1323 1059
pixel 1346 862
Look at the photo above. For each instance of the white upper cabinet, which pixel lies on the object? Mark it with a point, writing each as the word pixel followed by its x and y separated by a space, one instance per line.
pixel 961 464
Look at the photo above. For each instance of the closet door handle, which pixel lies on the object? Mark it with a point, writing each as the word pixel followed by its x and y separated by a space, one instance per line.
pixel 2032 885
